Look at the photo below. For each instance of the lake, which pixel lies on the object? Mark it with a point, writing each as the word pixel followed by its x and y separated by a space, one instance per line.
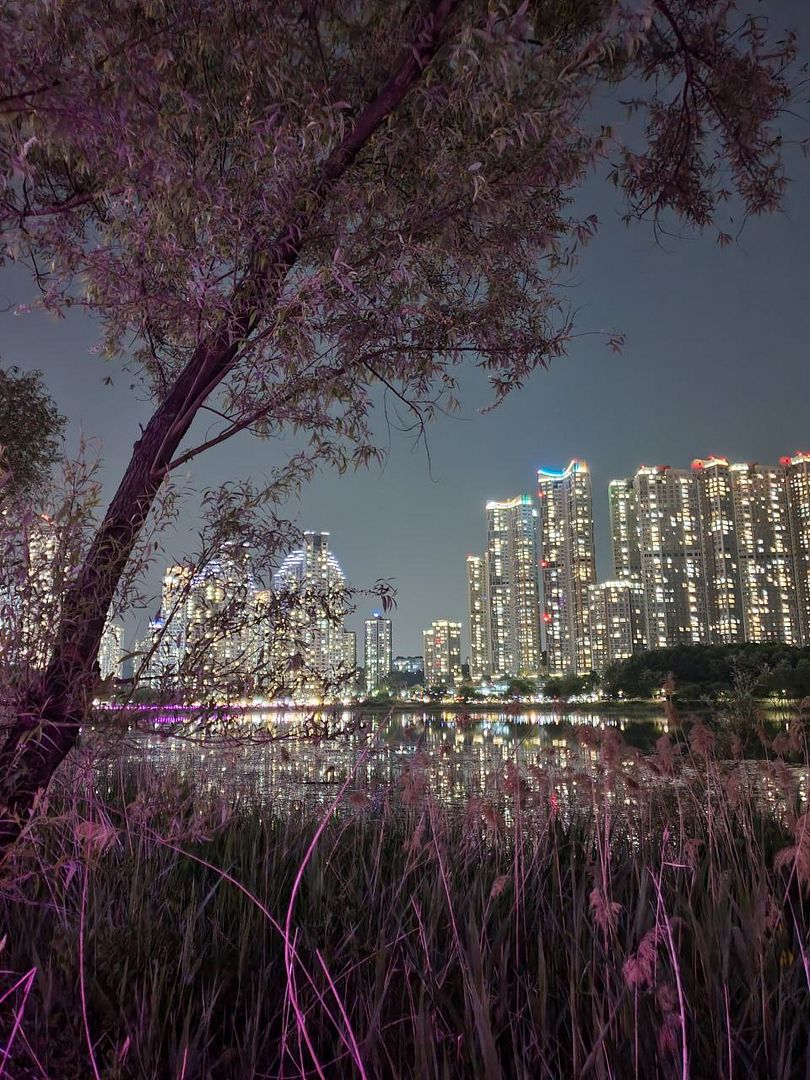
pixel 295 757
pixel 299 761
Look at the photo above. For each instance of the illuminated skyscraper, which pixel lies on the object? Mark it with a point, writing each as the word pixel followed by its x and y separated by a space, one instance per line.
pixel 110 650
pixel 377 652
pixel 721 568
pixel 514 610
pixel 350 654
pixel 797 485
pixel 668 509
pixel 624 530
pixel 616 620
pixel 221 648
pixel 568 564
pixel 312 579
pixel 31 589
pixel 175 609
pixel 478 609
pixel 442 652
pixel 767 582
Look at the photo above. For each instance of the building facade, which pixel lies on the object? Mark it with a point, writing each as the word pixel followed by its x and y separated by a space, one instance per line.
pixel 617 622
pixel 724 550
pixel 721 564
pixel 204 638
pixel 667 504
pixel 624 530
pixel 377 652
pixel 310 587
pixel 350 654
pixel 767 581
pixel 111 650
pixel 796 471
pixel 568 564
pixel 168 630
pixel 478 615
pixel 221 646
pixel 442 653
pixel 513 588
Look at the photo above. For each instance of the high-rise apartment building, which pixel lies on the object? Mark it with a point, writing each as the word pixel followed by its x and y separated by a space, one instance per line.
pixel 32 592
pixel 350 654
pixel 624 530
pixel 616 621
pixel 720 549
pixel 442 653
pixel 514 610
pixel 378 651
pixel 221 647
pixel 314 586
pixel 668 508
pixel 797 484
pixel 111 650
pixel 568 564
pixel 767 582
pixel 718 533
pixel 170 626
pixel 478 612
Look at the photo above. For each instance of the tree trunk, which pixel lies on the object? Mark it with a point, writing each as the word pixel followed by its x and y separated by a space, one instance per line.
pixel 50 715
pixel 49 718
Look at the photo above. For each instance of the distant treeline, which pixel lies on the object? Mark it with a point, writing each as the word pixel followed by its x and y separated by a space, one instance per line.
pixel 712 670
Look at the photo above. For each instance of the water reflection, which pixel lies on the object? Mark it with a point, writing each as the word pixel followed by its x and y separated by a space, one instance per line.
pixel 301 759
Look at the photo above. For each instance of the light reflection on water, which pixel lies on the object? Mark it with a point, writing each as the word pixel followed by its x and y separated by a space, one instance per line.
pixel 299 759
pixel 494 771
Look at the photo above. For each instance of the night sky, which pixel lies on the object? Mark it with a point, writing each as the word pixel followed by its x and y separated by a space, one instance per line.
pixel 715 362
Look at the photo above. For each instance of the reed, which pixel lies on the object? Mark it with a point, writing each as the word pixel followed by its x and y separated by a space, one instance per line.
pixel 622 916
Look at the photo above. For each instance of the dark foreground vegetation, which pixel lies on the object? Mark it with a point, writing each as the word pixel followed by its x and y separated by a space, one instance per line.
pixel 600 914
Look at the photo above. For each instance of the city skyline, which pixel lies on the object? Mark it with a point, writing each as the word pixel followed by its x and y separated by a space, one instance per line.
pixel 714 554
pixel 432 518
pixel 713 363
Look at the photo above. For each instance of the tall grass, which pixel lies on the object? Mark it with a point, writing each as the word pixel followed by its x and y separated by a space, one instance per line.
pixel 638 918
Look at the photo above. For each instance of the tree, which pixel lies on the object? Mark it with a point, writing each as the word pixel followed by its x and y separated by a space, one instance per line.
pixel 30 433
pixel 570 685
pixel 467 691
pixel 397 681
pixel 273 208
pixel 520 687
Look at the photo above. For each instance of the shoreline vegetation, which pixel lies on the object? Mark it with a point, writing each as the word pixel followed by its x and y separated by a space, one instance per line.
pixel 697 678
pixel 595 912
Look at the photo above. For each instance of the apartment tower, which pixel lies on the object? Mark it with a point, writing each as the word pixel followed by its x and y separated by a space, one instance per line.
pixel 796 472
pixel 377 651
pixel 478 613
pixel 568 564
pixel 624 530
pixel 441 646
pixel 514 609
pixel 616 621
pixel 311 588
pixel 721 565
pixel 668 509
